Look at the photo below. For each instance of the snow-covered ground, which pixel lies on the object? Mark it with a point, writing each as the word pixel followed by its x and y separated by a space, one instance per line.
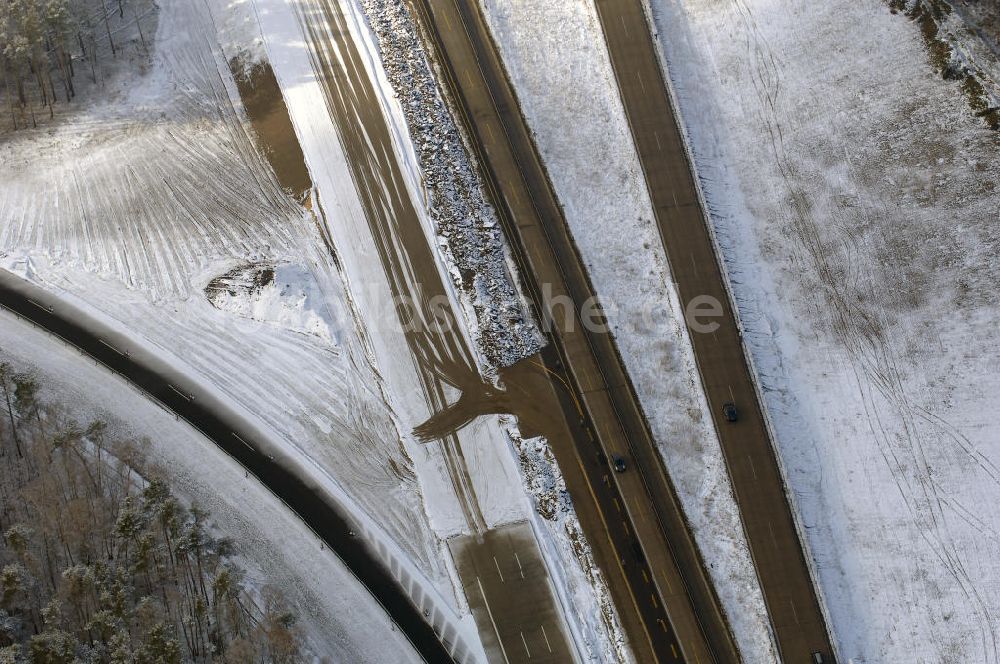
pixel 151 210
pixel 283 295
pixel 140 200
pixel 133 204
pixel 555 55
pixel 340 620
pixel 854 196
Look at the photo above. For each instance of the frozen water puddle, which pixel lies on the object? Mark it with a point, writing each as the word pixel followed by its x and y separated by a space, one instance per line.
pixel 282 294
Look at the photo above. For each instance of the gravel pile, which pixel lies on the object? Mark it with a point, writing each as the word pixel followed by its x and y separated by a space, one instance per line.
pixel 466 223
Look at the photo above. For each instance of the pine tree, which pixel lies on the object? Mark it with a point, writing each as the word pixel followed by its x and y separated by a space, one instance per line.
pixel 113 568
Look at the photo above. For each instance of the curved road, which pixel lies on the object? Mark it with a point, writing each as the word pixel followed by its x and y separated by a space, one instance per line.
pixel 310 504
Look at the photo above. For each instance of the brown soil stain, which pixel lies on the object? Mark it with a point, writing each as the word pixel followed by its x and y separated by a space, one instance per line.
pixel 269 118
pixel 528 392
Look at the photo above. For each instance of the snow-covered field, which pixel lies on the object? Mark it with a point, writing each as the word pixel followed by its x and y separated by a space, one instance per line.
pixel 554 53
pixel 130 207
pixel 854 196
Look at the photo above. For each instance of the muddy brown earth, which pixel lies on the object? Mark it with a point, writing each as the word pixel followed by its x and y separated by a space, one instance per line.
pixel 986 16
pixel 269 118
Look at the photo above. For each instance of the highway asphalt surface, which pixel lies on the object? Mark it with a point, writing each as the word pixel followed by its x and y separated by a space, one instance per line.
pixel 789 593
pixel 312 507
pixel 652 550
pixel 508 589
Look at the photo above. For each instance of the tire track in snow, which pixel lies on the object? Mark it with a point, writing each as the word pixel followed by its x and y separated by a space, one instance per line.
pixel 863 333
pixel 153 202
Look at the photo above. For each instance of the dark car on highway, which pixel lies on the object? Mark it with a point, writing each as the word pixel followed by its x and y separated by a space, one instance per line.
pixel 619 463
pixel 729 412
